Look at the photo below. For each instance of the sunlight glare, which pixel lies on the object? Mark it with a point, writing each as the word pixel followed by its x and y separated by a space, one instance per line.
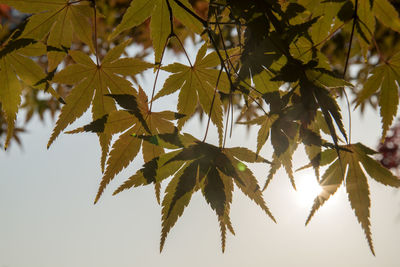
pixel 307 189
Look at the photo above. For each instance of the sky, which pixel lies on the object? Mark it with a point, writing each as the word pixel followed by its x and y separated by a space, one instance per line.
pixel 47 215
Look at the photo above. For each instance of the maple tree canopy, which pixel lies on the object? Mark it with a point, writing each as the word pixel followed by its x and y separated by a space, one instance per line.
pixel 283 64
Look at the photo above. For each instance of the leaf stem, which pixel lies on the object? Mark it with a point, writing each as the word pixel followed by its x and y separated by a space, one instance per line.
pixel 227 120
pixel 183 48
pixel 355 18
pixel 212 105
pixel 230 106
pixel 95 33
pixel 162 54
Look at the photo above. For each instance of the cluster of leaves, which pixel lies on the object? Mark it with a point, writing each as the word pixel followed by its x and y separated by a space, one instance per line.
pixel 269 54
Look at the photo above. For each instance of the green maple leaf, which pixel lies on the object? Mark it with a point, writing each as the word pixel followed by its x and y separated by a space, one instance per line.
pixel 16 68
pixel 384 79
pixel 195 166
pixel 265 122
pixel 288 135
pixel 385 12
pixel 197 84
pixel 160 25
pixel 127 146
pixel 285 160
pixel 60 20
pixel 365 25
pixel 351 156
pixel 323 78
pixel 95 80
pixel 313 147
pixel 325 11
pixel 134 120
pixel 314 84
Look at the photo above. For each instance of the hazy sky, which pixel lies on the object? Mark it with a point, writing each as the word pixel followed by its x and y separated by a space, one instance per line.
pixel 48 218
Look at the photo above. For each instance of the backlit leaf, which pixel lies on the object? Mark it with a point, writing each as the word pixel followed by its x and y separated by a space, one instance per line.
pixel 16 68
pixel 93 84
pixel 199 166
pixel 197 84
pixel 384 79
pixel 135 121
pixel 160 24
pixel 351 156
pixel 386 14
pixel 60 19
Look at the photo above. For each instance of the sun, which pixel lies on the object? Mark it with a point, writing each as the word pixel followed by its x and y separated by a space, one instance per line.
pixel 307 188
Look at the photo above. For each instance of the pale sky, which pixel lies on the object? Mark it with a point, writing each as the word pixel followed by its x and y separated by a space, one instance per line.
pixel 48 218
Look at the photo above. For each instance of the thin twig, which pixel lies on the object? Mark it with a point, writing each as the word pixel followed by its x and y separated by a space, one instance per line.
pixel 184 50
pixel 258 104
pixel 197 17
pixel 230 105
pixel 159 67
pixel 212 104
pixel 227 122
pixel 231 101
pixel 162 54
pixel 355 17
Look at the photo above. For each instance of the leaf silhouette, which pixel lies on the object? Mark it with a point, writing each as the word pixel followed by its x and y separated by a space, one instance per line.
pixel 198 166
pixel 355 181
pixel 285 160
pixel 135 121
pixel 280 62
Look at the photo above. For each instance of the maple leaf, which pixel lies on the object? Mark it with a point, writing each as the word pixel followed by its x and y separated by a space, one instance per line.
pixel 134 120
pixel 325 11
pixel 285 160
pixel 198 83
pixel 160 25
pixel 313 141
pixel 385 79
pixel 286 135
pixel 60 20
pixel 365 25
pixel 351 156
pixel 385 12
pixel 323 78
pixel 95 80
pixel 314 96
pixel 195 166
pixel 17 67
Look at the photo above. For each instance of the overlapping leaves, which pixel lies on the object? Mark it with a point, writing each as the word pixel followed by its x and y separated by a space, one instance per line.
pixel 16 70
pixel 198 83
pixel 282 46
pixel 133 120
pixel 161 13
pixel 347 169
pixel 92 83
pixel 195 166
pixel 58 20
